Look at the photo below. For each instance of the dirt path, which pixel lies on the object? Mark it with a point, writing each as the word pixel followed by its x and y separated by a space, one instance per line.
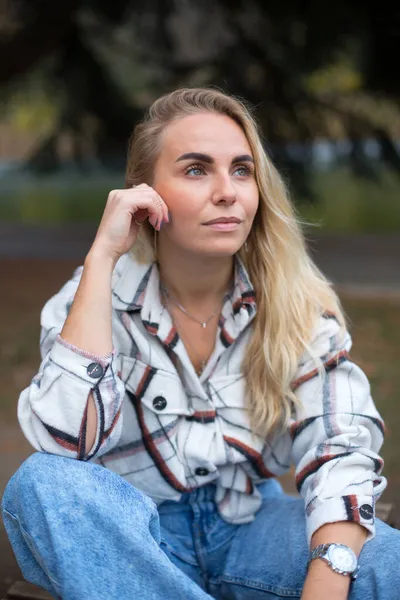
pixel 13 450
pixel 29 284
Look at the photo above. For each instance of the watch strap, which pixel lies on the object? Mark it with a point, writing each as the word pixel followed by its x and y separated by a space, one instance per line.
pixel 321 550
pixel 318 552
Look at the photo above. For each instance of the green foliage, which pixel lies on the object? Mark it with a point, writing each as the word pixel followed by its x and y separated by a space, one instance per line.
pixel 347 203
pixel 32 112
pixel 53 200
pixel 344 202
pixel 108 61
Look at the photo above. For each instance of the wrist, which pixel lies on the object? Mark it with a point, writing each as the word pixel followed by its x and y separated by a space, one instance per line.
pixel 99 257
pixel 319 568
pixel 340 558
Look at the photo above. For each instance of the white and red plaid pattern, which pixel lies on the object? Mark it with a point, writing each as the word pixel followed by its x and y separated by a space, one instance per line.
pixel 168 431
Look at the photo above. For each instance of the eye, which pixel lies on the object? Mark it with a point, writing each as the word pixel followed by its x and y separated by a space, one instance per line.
pixel 244 171
pixel 195 170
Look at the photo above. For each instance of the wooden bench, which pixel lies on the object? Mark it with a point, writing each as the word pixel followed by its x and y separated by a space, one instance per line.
pixel 22 590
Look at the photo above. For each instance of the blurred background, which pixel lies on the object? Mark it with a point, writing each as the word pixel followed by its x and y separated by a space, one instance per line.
pixel 76 75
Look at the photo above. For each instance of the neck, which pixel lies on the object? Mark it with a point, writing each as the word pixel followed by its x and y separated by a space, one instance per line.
pixel 194 280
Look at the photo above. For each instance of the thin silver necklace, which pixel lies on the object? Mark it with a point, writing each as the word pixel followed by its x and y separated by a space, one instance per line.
pixel 170 297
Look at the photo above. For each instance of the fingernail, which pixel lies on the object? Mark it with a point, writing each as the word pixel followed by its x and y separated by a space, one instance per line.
pixel 161 224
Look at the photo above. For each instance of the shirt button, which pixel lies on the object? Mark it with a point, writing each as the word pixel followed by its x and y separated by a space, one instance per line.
pixel 95 370
pixel 159 403
pixel 201 471
pixel 367 512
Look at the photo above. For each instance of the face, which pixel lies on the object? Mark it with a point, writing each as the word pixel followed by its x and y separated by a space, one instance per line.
pixel 205 174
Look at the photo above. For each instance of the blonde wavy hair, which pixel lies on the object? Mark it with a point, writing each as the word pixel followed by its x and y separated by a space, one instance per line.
pixel 291 292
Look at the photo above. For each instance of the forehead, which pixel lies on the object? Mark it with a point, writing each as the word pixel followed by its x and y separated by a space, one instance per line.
pixel 208 133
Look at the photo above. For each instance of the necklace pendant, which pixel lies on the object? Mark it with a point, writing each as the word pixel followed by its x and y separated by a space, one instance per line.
pixel 204 325
pixel 202 367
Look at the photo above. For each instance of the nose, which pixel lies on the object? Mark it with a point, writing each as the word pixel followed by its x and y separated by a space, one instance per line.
pixel 224 190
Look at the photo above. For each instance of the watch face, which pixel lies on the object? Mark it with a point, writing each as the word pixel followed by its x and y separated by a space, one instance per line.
pixel 342 558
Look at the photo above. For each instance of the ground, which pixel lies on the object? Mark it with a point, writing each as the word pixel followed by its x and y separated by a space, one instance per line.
pixel 29 284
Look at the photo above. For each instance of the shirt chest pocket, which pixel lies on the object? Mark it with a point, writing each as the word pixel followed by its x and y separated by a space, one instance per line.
pixel 159 391
pixel 227 393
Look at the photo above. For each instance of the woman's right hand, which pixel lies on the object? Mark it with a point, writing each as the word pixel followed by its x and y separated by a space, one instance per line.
pixel 124 212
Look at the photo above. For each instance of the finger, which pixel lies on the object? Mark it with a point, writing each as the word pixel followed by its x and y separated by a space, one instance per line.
pixel 144 201
pixel 159 203
pixel 163 209
pixel 112 194
pixel 166 212
pixel 161 213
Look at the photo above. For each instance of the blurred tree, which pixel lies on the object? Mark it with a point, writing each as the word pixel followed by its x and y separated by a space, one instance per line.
pixel 310 70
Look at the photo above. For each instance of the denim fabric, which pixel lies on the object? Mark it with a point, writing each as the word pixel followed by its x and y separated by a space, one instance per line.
pixel 82 532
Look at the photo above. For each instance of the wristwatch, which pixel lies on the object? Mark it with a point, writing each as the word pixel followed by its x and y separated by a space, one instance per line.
pixel 339 557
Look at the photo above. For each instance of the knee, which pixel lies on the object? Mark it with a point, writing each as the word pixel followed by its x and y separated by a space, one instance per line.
pixel 39 473
pixel 39 467
pixel 41 470
pixel 47 477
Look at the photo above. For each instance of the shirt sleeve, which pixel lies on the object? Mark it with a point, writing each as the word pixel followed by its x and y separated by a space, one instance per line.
pixel 52 411
pixel 337 433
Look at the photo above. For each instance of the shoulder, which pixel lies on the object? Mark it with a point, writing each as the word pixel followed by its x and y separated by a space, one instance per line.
pixel 329 336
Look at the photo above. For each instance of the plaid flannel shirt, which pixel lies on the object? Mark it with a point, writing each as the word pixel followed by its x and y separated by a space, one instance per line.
pixel 168 431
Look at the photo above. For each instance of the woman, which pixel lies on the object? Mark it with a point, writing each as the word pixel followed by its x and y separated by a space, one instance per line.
pixel 197 353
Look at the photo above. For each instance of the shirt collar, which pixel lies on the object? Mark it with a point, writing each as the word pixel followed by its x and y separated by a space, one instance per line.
pixel 136 288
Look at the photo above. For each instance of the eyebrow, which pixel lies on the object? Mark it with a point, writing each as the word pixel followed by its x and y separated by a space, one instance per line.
pixel 208 159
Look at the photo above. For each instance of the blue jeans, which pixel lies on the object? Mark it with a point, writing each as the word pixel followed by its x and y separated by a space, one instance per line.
pixel 84 533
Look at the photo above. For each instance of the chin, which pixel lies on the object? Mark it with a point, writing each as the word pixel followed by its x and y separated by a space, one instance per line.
pixel 222 247
pixel 220 250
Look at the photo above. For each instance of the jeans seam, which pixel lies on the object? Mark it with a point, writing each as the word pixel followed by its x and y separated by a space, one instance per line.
pixel 245 582
pixel 173 551
pixel 211 548
pixel 31 545
pixel 201 554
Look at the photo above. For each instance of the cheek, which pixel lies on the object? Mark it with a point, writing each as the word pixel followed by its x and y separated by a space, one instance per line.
pixel 251 204
pixel 182 203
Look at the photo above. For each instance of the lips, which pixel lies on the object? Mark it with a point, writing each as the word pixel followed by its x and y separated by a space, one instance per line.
pixel 223 220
